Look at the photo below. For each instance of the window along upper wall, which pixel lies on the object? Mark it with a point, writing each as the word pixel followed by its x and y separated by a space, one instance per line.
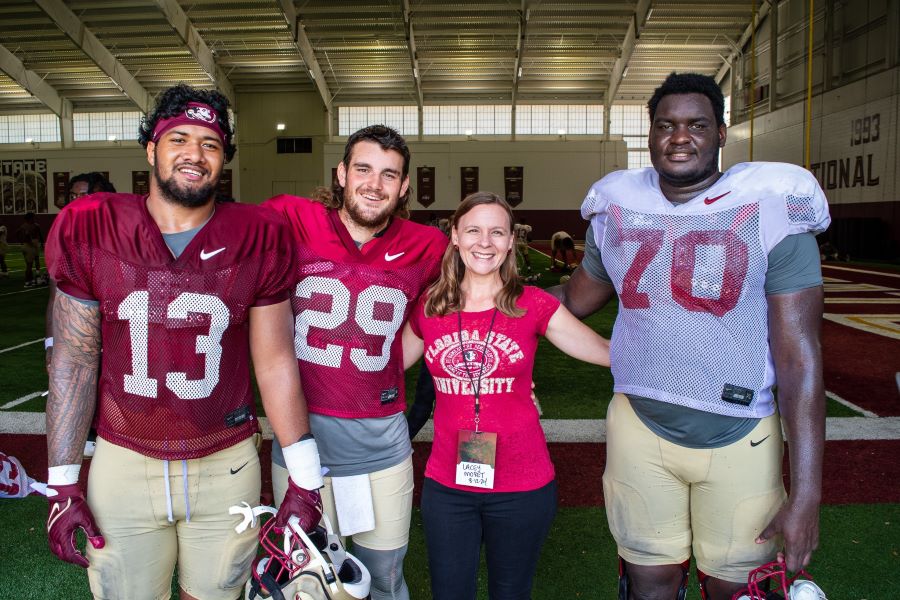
pixel 477 119
pixel 24 129
pixel 106 126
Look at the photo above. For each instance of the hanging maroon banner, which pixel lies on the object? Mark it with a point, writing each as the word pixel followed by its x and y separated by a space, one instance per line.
pixel 60 189
pixel 140 182
pixel 468 177
pixel 425 185
pixel 514 179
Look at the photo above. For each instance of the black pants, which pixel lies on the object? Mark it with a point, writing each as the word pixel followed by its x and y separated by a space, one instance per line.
pixel 512 525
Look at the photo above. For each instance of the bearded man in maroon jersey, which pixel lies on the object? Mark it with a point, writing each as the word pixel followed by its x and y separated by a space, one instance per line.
pixel 361 267
pixel 181 293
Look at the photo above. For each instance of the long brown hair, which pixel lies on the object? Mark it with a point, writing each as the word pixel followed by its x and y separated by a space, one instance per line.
pixel 445 295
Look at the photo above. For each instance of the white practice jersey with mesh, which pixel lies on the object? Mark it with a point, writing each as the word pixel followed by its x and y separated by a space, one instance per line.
pixel 690 278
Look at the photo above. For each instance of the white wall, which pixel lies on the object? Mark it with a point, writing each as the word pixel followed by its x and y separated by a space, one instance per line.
pixel 848 171
pixel 264 171
pixel 557 173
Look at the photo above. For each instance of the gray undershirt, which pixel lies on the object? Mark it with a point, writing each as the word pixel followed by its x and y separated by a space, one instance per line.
pixel 356 446
pixel 177 242
pixel 793 265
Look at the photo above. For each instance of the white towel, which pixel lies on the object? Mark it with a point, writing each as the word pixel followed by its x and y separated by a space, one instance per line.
pixel 353 501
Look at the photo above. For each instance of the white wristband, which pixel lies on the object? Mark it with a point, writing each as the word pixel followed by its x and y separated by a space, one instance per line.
pixel 302 462
pixel 48 343
pixel 63 475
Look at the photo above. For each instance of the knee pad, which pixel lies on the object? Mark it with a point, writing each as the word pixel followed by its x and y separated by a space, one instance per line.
pixel 682 589
pixel 386 569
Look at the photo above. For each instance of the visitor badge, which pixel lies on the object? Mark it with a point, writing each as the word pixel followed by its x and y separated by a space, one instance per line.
pixel 476 453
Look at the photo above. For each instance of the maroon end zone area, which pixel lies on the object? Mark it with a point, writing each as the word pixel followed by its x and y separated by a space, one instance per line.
pixel 856 472
pixel 860 366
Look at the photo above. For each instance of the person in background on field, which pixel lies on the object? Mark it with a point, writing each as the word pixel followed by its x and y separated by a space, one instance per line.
pixel 522 231
pixel 562 243
pixel 80 186
pixel 4 248
pixel 489 478
pixel 31 238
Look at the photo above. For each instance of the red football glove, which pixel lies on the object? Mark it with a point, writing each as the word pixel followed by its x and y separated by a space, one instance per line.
pixel 68 513
pixel 306 505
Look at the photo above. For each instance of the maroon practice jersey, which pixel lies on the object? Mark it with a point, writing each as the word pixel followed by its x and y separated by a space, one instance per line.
pixel 175 379
pixel 350 305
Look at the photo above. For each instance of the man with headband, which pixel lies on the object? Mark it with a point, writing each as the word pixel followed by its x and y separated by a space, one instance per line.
pixel 181 293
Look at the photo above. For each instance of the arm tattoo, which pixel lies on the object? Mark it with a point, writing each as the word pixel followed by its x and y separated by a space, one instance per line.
pixel 73 379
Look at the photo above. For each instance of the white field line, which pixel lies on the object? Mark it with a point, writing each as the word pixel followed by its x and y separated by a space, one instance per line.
pixel 22 400
pixel 880 273
pixel 850 405
pixel 21 345
pixel 862 300
pixel 34 289
pixel 556 430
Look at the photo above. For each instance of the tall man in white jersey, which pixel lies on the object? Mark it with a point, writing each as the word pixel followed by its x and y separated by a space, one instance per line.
pixel 180 293
pixel 361 267
pixel 720 296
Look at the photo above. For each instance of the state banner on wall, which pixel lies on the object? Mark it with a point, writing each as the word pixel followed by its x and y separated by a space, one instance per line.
pixel 513 181
pixel 425 185
pixel 23 186
pixel 468 177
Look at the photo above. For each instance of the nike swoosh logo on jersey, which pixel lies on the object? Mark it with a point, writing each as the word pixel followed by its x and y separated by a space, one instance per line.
pixel 711 200
pixel 234 471
pixel 56 511
pixel 204 255
pixel 389 257
pixel 755 444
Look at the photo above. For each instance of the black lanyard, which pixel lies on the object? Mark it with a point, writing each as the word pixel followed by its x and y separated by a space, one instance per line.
pixel 476 389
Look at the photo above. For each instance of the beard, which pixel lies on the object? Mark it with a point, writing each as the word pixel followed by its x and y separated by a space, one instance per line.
pixel 692 177
pixel 189 197
pixel 369 220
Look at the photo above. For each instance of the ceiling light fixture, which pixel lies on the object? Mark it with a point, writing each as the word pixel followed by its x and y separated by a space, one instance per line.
pixel 280 126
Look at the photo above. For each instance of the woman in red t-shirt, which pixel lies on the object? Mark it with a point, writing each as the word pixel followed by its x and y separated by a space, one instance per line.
pixel 489 477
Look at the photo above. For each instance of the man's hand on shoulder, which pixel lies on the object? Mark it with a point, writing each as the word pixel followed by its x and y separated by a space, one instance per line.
pixel 68 512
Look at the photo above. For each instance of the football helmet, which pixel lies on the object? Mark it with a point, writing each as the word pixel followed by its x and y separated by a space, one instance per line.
pixel 781 584
pixel 295 565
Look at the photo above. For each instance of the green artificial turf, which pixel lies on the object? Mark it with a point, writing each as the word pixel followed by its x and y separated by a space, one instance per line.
pixel 858 556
